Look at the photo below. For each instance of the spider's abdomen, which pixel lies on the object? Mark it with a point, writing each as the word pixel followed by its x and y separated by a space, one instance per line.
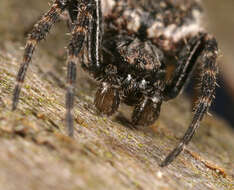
pixel 165 22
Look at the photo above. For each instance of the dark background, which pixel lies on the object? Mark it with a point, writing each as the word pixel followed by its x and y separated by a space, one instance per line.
pixel 220 21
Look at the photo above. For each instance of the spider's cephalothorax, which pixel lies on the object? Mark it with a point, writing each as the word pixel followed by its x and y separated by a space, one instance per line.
pixel 129 45
pixel 134 74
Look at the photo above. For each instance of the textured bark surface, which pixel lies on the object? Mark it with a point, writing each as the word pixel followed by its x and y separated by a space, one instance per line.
pixel 105 153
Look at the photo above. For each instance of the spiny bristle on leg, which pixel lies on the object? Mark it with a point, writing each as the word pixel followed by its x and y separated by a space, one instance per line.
pixel 39 32
pixel 208 84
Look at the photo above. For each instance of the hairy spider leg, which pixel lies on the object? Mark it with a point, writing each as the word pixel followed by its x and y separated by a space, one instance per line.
pixel 186 63
pixel 95 39
pixel 39 32
pixel 88 14
pixel 107 98
pixel 207 50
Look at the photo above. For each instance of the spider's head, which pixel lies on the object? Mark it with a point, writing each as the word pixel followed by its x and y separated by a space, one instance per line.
pixel 133 71
pixel 140 65
pixel 139 57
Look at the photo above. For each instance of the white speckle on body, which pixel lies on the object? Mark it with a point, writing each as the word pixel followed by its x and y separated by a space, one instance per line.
pixel 104 87
pixel 174 33
pixel 134 20
pixel 107 6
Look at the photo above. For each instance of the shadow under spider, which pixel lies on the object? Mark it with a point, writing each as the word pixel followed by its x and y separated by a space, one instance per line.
pixel 121 119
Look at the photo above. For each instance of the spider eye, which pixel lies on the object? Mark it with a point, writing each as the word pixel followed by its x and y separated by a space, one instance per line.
pixel 140 60
pixel 111 69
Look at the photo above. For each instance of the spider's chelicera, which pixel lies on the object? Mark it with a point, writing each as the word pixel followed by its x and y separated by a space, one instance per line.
pixel 130 44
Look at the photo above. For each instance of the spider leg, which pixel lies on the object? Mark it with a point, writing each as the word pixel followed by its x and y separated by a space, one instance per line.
pixel 208 51
pixel 39 32
pixel 95 39
pixel 107 97
pixel 87 13
pixel 186 63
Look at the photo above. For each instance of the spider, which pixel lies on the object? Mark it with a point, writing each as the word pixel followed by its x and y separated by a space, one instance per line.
pixel 128 46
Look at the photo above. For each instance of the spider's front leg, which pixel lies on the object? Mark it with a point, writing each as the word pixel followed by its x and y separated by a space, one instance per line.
pixel 205 47
pixel 39 32
pixel 88 23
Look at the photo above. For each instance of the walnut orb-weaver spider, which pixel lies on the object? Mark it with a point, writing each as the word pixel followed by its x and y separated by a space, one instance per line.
pixel 129 45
